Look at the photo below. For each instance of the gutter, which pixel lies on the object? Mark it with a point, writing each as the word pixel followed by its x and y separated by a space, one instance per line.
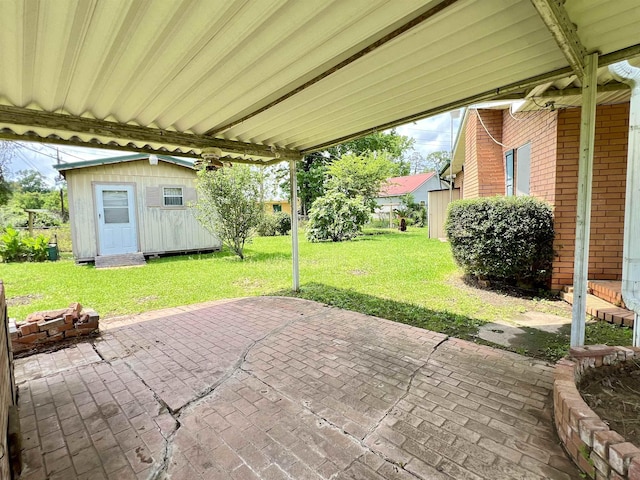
pixel 630 75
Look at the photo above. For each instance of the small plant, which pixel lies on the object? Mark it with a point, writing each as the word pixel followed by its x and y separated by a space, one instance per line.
pixel 36 248
pixel 12 249
pixel 15 247
pixel 507 239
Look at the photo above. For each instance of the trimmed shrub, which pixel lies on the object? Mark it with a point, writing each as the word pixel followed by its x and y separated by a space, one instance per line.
pixel 505 239
pixel 283 223
pixel 336 217
pixel 268 226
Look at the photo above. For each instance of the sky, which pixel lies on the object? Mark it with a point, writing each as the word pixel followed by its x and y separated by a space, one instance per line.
pixel 431 135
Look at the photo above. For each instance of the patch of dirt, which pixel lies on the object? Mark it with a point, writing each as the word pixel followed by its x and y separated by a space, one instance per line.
pixel 23 300
pixel 248 283
pixel 614 394
pixel 147 299
pixel 359 272
pixel 512 297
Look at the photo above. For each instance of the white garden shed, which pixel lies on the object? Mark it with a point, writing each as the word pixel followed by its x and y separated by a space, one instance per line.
pixel 134 203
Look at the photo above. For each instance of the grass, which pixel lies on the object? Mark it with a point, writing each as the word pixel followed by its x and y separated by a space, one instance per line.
pixel 404 277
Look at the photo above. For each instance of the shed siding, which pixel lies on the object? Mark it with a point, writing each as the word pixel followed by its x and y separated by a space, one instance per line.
pixel 159 229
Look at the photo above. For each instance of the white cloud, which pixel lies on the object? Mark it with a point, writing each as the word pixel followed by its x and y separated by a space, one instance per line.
pixel 431 134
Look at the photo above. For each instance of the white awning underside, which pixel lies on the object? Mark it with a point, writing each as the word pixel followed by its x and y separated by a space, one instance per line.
pixel 199 67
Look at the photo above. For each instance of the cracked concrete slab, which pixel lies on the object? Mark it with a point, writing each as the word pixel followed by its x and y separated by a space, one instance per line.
pixel 281 388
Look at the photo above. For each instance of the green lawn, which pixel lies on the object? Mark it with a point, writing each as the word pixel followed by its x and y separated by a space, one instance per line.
pixel 400 276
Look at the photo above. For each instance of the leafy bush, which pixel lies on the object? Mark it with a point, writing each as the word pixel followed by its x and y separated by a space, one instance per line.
pixel 15 216
pixel 283 223
pixel 508 239
pixel 336 217
pixel 15 247
pixel 268 226
pixel 412 212
pixel 229 204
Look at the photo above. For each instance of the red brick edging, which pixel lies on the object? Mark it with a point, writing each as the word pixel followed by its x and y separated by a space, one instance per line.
pixel 598 451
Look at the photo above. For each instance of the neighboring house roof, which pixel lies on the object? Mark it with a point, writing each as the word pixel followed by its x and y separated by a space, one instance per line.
pixel 63 167
pixel 397 186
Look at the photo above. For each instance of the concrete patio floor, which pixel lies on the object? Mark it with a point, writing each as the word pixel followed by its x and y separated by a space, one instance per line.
pixel 282 388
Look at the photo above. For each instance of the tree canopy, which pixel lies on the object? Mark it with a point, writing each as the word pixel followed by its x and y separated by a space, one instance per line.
pixel 229 204
pixel 312 170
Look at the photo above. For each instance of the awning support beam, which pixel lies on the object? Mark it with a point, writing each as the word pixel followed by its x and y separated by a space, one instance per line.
pixel 583 213
pixel 134 133
pixel 556 18
pixel 293 181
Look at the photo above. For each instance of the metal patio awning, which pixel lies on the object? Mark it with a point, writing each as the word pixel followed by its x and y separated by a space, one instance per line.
pixel 266 80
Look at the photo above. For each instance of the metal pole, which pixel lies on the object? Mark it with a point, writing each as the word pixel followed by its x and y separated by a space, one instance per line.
pixel 294 224
pixel 583 213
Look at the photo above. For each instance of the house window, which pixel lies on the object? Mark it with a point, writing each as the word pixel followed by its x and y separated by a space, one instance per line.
pixel 172 196
pixel 277 208
pixel 518 171
pixel 508 169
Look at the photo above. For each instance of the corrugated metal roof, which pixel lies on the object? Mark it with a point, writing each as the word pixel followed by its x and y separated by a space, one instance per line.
pixel 396 186
pixel 199 67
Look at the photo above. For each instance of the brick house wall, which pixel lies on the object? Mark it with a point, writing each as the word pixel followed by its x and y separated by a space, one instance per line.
pixel 481 150
pixel 539 129
pixel 608 193
pixel 555 139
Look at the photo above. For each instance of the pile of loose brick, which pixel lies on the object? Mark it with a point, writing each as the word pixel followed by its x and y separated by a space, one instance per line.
pixel 600 452
pixel 52 326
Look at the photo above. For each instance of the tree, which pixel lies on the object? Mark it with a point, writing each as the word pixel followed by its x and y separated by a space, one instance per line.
pixel 391 143
pixel 312 170
pixel 32 181
pixel 336 217
pixel 229 204
pixel 435 161
pixel 7 152
pixel 361 176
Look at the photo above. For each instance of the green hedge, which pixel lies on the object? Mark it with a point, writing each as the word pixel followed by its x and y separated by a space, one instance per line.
pixel 506 239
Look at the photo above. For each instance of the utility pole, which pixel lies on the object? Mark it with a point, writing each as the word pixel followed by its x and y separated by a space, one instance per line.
pixel 61 188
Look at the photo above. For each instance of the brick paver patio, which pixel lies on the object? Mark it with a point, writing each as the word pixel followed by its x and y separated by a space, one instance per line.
pixel 280 388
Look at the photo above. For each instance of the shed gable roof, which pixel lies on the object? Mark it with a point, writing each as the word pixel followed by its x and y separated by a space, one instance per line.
pixel 64 167
pixel 397 186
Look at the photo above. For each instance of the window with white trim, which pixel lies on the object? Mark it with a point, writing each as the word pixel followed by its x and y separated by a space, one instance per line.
pixel 172 196
pixel 518 171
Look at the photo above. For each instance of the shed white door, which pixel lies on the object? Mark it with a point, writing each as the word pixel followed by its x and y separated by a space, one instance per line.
pixel 116 219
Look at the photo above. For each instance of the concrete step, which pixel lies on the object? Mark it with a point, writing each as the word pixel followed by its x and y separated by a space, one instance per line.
pixel 117 261
pixel 609 290
pixel 603 310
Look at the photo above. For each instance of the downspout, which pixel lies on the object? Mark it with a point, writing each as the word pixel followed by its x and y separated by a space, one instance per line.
pixel 630 75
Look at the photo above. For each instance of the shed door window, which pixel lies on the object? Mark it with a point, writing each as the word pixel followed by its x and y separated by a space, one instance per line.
pixel 116 206
pixel 173 196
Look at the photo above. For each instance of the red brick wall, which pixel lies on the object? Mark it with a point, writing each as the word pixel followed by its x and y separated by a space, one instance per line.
pixel 484 164
pixel 539 129
pixel 609 178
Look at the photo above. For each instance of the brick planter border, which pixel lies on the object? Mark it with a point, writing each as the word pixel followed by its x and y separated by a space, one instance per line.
pixel 598 451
